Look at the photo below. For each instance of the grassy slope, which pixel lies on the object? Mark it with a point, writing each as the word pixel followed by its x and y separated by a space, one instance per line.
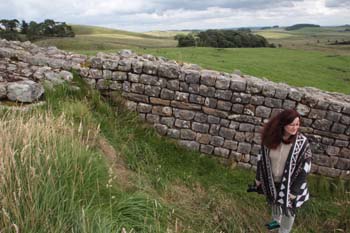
pixel 97 38
pixel 299 68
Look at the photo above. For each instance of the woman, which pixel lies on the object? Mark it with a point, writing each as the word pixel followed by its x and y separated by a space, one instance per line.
pixel 283 165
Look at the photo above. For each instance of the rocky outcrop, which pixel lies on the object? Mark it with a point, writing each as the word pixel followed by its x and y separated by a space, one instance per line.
pixel 208 111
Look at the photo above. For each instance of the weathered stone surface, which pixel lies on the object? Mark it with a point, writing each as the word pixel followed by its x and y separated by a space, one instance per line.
pixel 168 121
pixel 343 164
pixel 203 138
pixel 324 160
pixel 136 97
pixel 136 66
pixel 345 120
pixel 249 110
pixel 244 118
pixel 269 90
pixel 159 101
pixel 332 150
pixel 224 122
pixel 281 92
pixel 149 80
pixel 137 88
pixel 238 83
pixel 210 102
pixel 162 111
pixel 151 90
pixel 295 94
pixel 224 105
pixel 193 88
pixel 208 77
pixel 24 91
pixel 173 133
pixel 206 91
pixel 336 107
pixel 173 85
pixel 289 104
pixel 223 94
pixel 182 124
pixel 230 144
pixel 151 118
pixel 257 100
pixel 110 64
pixel 262 111
pixel 302 109
pixel 215 112
pixel 217 141
pixel 244 148
pixel 333 116
pixel 338 128
pixel 3 91
pixel 150 67
pixel 144 108
pixel 227 133
pixel 124 65
pixel 197 99
pixel 169 70
pixel 246 127
pixel 189 106
pixel 221 152
pixel 132 106
pixel 237 108
pixel 184 114
pixel 167 94
pixel 161 129
pixel 213 119
pixel 341 143
pixel 345 152
pixel 200 127
pixel 254 86
pixel 242 98
pixel 207 149
pixel 201 117
pixel 317 114
pixel 191 145
pixel 187 134
pixel 322 124
pixel 192 76
pixel 222 82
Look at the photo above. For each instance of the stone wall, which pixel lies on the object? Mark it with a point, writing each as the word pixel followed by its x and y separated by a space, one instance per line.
pixel 215 113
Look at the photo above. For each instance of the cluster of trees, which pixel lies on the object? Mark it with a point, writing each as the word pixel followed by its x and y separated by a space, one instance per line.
pixel 16 30
pixel 223 39
pixel 299 26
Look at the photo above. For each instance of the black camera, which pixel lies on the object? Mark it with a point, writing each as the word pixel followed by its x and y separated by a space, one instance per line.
pixel 254 188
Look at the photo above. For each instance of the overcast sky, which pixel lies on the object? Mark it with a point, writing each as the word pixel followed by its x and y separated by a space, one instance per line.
pixel 142 15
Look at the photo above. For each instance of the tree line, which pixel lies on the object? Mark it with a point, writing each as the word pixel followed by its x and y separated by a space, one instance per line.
pixel 223 39
pixel 15 30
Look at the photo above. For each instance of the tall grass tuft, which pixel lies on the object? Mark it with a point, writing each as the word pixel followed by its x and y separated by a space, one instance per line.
pixel 53 181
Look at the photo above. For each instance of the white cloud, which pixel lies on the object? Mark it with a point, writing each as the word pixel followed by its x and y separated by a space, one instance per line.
pixel 142 15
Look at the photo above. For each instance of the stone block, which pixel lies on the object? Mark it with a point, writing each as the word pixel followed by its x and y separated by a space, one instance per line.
pixel 173 85
pixel 208 77
pixel 184 114
pixel 207 149
pixel 222 82
pixel 193 88
pixel 201 117
pixel 338 128
pixel 182 124
pixel 203 138
pixel 215 112
pixel 197 99
pixel 289 104
pixel 150 67
pixel 224 122
pixel 169 70
pixel 152 118
pixel 238 84
pixel 158 101
pixel 182 105
pixel 167 94
pixel 173 133
pixel 262 111
pixel 227 133
pixel 214 129
pixel 269 90
pixel 343 164
pixel 213 119
pixel 217 141
pixel 161 129
pixel 168 121
pixel 144 108
pixel 246 127
pixel 162 111
pixel 223 152
pixel 223 94
pixel 294 94
pixel 135 78
pixel 322 124
pixel 257 100
pixel 230 144
pixel 192 76
pixel 332 150
pixel 137 88
pixel 237 108
pixel 191 145
pixel 244 148
pixel 224 105
pixel 206 91
pixel 317 114
pixel 149 80
pixel 333 116
pixel 200 127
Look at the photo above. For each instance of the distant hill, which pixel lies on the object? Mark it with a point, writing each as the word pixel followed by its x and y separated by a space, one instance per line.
pixel 299 26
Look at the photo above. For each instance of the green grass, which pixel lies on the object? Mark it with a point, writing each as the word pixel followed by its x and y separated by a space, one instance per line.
pixel 294 67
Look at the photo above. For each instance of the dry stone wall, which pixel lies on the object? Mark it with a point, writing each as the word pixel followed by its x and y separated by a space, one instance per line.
pixel 215 113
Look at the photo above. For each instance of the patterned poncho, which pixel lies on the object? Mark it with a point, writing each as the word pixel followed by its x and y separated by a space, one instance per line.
pixel 293 182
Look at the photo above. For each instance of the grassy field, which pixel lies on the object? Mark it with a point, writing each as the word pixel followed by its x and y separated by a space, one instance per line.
pixel 310 39
pixel 57 171
pixel 324 67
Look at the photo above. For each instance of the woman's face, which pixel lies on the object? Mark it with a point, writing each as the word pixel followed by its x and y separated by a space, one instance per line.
pixel 292 128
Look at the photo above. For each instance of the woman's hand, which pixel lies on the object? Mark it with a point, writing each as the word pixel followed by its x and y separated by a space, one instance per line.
pixel 257 183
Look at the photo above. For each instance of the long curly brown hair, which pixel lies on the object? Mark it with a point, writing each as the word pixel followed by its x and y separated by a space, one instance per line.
pixel 272 134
